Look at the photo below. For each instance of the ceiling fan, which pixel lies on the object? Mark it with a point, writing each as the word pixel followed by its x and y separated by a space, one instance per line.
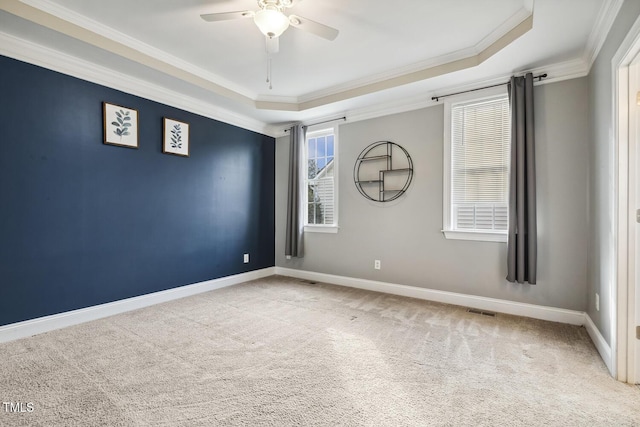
pixel 272 21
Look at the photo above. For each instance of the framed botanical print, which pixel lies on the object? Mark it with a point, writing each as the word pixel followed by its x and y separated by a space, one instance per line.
pixel 175 137
pixel 120 125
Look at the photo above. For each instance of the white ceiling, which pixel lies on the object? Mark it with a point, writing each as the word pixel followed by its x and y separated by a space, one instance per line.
pixel 388 56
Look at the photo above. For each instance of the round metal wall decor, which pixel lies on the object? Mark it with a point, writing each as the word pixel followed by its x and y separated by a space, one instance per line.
pixel 383 171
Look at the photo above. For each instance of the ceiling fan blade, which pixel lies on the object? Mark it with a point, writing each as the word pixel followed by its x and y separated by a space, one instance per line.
pixel 313 27
pixel 273 44
pixel 226 16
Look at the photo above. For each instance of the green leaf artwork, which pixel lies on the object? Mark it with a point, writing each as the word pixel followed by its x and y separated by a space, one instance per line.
pixel 176 136
pixel 122 123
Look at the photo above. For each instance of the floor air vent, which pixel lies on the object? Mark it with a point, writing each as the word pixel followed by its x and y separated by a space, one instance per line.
pixel 483 313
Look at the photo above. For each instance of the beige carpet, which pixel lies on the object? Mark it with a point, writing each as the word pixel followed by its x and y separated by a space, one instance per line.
pixel 280 351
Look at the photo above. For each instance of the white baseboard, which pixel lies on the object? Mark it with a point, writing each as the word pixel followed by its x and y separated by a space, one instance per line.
pixel 601 344
pixel 483 303
pixel 56 321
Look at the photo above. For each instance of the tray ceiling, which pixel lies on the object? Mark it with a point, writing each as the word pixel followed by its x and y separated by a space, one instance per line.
pixel 384 54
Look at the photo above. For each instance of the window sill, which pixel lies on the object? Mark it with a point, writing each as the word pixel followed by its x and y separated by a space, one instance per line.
pixel 482 236
pixel 321 229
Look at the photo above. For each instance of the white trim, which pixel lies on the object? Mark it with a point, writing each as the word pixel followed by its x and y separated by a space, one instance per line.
pixel 31 327
pixel 604 21
pixel 114 41
pixel 619 279
pixel 627 51
pixel 46 13
pixel 452 61
pixel 632 108
pixel 480 236
pixel 483 303
pixel 600 343
pixel 96 27
pixel 562 71
pixel 36 54
pixel 321 229
pixel 33 53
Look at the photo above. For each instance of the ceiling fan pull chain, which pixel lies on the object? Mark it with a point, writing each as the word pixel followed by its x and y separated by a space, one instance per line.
pixel 268 60
pixel 269 77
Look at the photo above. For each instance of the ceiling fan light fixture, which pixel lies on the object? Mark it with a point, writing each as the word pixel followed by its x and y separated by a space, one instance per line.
pixel 271 22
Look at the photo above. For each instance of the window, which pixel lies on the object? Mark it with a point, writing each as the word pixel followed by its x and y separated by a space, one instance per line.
pixel 320 204
pixel 476 181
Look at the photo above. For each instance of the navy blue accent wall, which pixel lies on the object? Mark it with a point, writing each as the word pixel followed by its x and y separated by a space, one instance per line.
pixel 83 223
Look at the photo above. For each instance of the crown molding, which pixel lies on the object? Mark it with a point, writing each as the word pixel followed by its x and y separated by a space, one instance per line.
pixel 33 53
pixel 519 24
pixel 558 72
pixel 46 13
pixel 463 54
pixel 47 20
pixel 567 70
pixel 606 17
pixel 429 72
pixel 65 21
pixel 96 27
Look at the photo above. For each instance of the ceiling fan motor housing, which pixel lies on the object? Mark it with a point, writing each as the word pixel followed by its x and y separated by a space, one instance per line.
pixel 278 4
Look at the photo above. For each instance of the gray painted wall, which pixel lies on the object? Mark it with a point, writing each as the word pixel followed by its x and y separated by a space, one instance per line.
pixel 602 172
pixel 405 235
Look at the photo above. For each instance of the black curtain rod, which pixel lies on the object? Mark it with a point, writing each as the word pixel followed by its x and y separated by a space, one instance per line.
pixel 437 98
pixel 319 123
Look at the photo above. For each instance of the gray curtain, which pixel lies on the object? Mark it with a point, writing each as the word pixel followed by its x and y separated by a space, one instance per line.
pixel 523 242
pixel 295 223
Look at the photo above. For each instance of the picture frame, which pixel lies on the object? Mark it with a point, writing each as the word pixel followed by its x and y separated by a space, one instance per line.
pixel 120 125
pixel 175 137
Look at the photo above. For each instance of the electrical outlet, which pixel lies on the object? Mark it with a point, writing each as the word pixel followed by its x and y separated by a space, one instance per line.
pixel 597 302
pixel 246 258
pixel 376 264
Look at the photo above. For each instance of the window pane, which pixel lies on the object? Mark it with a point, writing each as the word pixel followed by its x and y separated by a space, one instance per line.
pixel 312 168
pixel 314 214
pixel 330 146
pixel 312 192
pixel 312 148
pixel 321 147
pixel 320 195
pixel 311 213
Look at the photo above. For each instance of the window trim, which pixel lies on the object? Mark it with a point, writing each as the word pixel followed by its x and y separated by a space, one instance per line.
pixel 312 131
pixel 478 236
pixel 447 230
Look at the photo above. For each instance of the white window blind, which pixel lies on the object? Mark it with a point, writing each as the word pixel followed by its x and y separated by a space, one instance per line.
pixel 480 135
